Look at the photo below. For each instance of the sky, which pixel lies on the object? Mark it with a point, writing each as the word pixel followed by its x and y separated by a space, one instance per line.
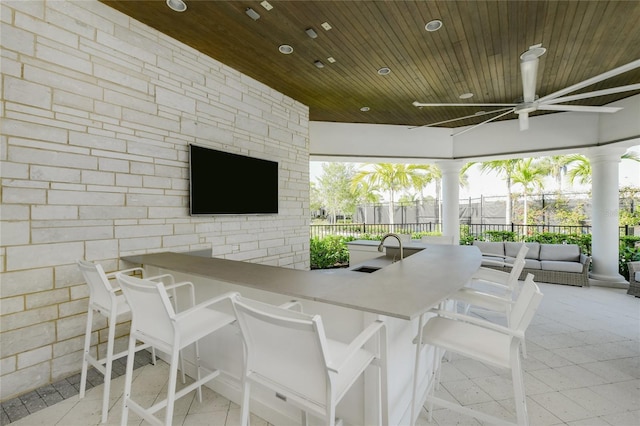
pixel 489 184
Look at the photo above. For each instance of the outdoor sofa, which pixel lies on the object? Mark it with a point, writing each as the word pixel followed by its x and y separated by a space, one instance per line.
pixel 634 279
pixel 549 263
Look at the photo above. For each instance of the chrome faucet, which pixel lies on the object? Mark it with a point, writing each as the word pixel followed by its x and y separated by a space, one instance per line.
pixel 397 237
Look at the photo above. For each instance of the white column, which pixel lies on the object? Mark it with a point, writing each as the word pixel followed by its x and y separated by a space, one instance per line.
pixel 605 205
pixel 451 198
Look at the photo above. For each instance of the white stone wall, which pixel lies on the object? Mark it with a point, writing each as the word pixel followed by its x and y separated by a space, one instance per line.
pixel 98 111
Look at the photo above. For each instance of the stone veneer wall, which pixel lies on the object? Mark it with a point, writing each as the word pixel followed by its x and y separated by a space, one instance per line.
pixel 98 111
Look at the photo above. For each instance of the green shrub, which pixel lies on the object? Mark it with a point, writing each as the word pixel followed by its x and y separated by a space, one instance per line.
pixel 582 240
pixel 628 253
pixel 497 236
pixel 329 252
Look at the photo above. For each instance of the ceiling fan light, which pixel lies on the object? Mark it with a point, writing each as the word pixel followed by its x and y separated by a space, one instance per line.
pixel 177 5
pixel 434 25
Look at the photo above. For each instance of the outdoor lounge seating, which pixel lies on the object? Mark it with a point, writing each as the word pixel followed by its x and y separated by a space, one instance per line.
pixel 549 263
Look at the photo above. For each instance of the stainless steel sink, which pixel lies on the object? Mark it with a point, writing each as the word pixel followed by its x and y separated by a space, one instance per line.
pixel 367 269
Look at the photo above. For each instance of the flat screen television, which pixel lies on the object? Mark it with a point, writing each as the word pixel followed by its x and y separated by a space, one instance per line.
pixel 224 183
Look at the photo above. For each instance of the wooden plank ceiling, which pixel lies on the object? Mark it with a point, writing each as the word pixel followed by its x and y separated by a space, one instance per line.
pixel 476 51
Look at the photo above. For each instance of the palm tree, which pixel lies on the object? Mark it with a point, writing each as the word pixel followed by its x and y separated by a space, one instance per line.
pixel 581 170
pixel 530 176
pixel 392 178
pixel 555 166
pixel 364 193
pixel 505 169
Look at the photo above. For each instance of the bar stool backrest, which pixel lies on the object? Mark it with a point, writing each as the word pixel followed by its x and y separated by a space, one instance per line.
pixel 100 290
pixel 526 305
pixel 151 311
pixel 285 349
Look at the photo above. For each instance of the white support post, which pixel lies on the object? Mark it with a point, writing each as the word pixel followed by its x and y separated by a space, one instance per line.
pixel 604 216
pixel 451 198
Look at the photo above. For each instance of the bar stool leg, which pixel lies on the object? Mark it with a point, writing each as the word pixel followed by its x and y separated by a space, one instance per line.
pixel 87 348
pixel 171 391
pixel 128 379
pixel 108 367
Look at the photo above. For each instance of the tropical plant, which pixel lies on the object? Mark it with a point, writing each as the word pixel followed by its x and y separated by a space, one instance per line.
pixel 392 178
pixel 364 193
pixel 581 166
pixel 580 169
pixel 504 169
pixel 529 176
pixel 556 167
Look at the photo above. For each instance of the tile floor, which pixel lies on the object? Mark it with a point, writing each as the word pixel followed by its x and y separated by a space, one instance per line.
pixel 583 368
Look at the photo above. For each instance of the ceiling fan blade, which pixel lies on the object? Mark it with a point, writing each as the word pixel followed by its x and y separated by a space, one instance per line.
pixel 604 92
pixel 420 104
pixel 523 119
pixel 612 73
pixel 462 118
pixel 484 122
pixel 579 108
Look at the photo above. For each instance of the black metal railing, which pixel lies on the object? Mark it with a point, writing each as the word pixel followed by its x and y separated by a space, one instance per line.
pixel 473 229
pixel 358 229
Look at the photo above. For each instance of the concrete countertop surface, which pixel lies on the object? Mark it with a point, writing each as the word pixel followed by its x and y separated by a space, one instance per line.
pixel 404 289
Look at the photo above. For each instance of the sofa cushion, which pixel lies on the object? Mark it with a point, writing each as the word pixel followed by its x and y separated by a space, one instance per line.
pixel 560 252
pixel 490 260
pixel 490 247
pixel 532 264
pixel 556 265
pixel 528 263
pixel 511 249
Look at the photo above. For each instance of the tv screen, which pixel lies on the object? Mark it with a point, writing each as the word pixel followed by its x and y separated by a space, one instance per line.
pixel 225 183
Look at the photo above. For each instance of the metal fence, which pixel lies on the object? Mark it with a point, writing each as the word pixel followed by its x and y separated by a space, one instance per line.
pixel 474 229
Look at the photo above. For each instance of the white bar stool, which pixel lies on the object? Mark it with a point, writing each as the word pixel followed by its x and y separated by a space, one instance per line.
pixel 107 300
pixel 483 341
pixel 288 352
pixel 155 322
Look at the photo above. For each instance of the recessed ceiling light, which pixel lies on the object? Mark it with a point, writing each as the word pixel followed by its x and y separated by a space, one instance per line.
pixel 434 25
pixel 285 49
pixel 266 5
pixel 311 33
pixel 326 26
pixel 252 14
pixel 466 96
pixel 331 59
pixel 318 64
pixel 365 109
pixel 384 71
pixel 177 5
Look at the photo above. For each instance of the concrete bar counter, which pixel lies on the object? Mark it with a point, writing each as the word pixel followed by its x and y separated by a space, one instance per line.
pixel 398 292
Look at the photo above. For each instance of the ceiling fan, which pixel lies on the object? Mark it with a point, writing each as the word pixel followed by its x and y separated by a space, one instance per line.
pixel 530 101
